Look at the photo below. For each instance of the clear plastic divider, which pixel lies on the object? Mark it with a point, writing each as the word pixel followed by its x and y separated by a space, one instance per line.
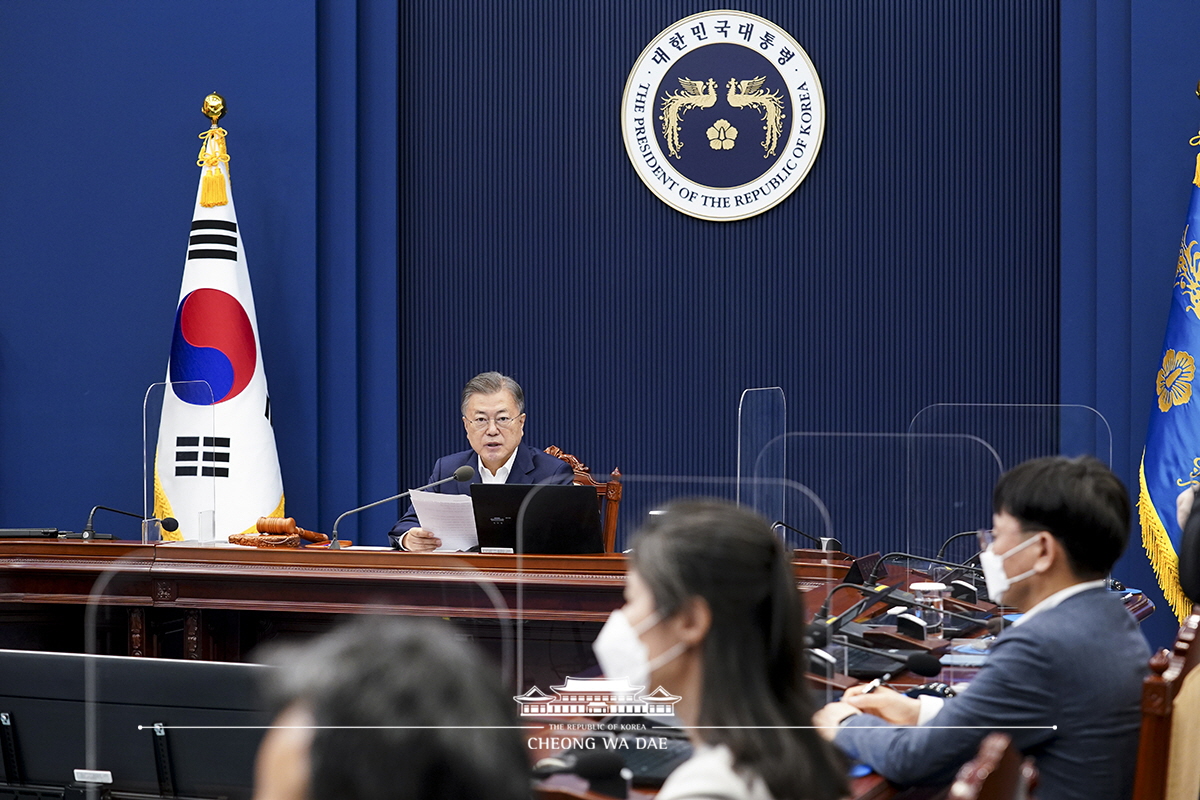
pixel 762 418
pixel 1021 431
pixel 891 492
pixel 182 456
pixel 172 722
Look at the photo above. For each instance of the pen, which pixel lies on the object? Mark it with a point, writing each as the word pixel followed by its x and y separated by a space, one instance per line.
pixel 875 684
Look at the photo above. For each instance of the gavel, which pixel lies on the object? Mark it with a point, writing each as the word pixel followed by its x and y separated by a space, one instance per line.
pixel 287 526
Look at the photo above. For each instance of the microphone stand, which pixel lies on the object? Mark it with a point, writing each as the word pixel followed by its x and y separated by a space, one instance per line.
pixel 462 475
pixel 826 543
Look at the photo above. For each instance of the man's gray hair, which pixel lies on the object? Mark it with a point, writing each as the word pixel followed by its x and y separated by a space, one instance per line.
pixel 490 383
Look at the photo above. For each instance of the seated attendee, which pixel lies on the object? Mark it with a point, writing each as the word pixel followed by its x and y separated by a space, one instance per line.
pixel 1064 680
pixel 712 615
pixel 394 708
pixel 493 412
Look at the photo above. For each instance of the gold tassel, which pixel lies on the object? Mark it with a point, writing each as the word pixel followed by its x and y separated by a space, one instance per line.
pixel 212 156
pixel 1196 179
pixel 1159 549
pixel 162 506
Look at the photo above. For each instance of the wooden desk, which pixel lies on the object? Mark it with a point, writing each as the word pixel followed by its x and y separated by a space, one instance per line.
pixel 219 602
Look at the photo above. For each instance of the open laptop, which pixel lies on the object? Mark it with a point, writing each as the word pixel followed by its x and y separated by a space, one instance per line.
pixel 557 519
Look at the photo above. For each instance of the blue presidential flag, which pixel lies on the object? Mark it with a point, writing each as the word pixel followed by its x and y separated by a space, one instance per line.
pixel 216 447
pixel 1171 459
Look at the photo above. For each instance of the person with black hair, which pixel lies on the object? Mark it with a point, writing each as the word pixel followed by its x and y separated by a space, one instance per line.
pixel 1064 680
pixel 387 709
pixel 713 616
pixel 493 416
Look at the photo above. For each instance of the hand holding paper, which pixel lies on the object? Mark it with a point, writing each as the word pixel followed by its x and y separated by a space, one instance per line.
pixel 450 516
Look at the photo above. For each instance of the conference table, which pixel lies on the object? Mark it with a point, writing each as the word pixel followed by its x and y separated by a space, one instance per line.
pixel 218 602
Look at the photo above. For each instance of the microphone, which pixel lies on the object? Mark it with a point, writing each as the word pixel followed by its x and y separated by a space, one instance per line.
pixel 922 664
pixel 871 578
pixel 827 543
pixel 946 543
pixel 89 532
pixel 857 608
pixel 909 599
pixel 873 595
pixel 462 475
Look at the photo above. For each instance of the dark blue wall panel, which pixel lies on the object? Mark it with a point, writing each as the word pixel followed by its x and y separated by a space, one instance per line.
pixel 100 143
pixel 1129 108
pixel 917 263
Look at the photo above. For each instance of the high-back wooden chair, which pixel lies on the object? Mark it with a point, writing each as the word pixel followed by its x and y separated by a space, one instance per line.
pixel 996 773
pixel 608 493
pixel 1168 765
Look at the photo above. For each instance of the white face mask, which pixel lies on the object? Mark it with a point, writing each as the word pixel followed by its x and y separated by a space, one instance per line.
pixel 995 576
pixel 621 653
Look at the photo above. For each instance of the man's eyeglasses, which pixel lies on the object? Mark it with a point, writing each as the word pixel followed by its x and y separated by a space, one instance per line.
pixel 986 537
pixel 503 423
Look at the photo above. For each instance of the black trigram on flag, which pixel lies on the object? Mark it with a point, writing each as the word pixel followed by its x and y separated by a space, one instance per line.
pixel 191 460
pixel 213 238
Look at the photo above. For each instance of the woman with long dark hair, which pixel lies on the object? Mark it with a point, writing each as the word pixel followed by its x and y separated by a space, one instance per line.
pixel 713 616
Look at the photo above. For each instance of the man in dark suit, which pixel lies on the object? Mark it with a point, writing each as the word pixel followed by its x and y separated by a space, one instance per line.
pixel 1064 680
pixel 493 411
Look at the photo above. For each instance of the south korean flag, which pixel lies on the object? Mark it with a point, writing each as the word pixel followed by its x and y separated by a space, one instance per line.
pixel 216 448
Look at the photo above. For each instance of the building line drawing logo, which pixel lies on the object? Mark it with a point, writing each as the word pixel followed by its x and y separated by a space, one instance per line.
pixel 596 696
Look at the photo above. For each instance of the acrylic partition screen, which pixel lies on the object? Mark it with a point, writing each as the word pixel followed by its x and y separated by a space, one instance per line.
pixel 185 455
pixel 1019 432
pixel 888 492
pixel 761 419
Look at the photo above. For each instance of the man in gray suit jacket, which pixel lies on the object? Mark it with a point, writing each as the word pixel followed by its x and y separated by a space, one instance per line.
pixel 1064 680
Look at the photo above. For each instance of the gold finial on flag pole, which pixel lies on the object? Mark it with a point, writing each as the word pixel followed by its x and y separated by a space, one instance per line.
pixel 213 155
pixel 214 107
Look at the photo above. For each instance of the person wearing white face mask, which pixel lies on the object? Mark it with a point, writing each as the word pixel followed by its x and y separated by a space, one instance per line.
pixel 713 616
pixel 1064 680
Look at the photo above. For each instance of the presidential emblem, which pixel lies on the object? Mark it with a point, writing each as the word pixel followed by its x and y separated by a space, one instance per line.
pixel 723 115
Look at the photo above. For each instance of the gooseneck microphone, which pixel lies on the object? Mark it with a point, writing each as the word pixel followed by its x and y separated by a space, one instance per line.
pixel 922 664
pixel 955 564
pixel 873 594
pixel 462 475
pixel 827 543
pixel 959 535
pixel 909 599
pixel 843 623
pixel 88 532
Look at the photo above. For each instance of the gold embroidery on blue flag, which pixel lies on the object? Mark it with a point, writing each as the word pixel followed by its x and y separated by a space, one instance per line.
pixel 1187 273
pixel 1175 379
pixel 1193 479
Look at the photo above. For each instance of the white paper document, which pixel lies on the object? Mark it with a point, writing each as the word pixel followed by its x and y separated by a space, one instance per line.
pixel 449 516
